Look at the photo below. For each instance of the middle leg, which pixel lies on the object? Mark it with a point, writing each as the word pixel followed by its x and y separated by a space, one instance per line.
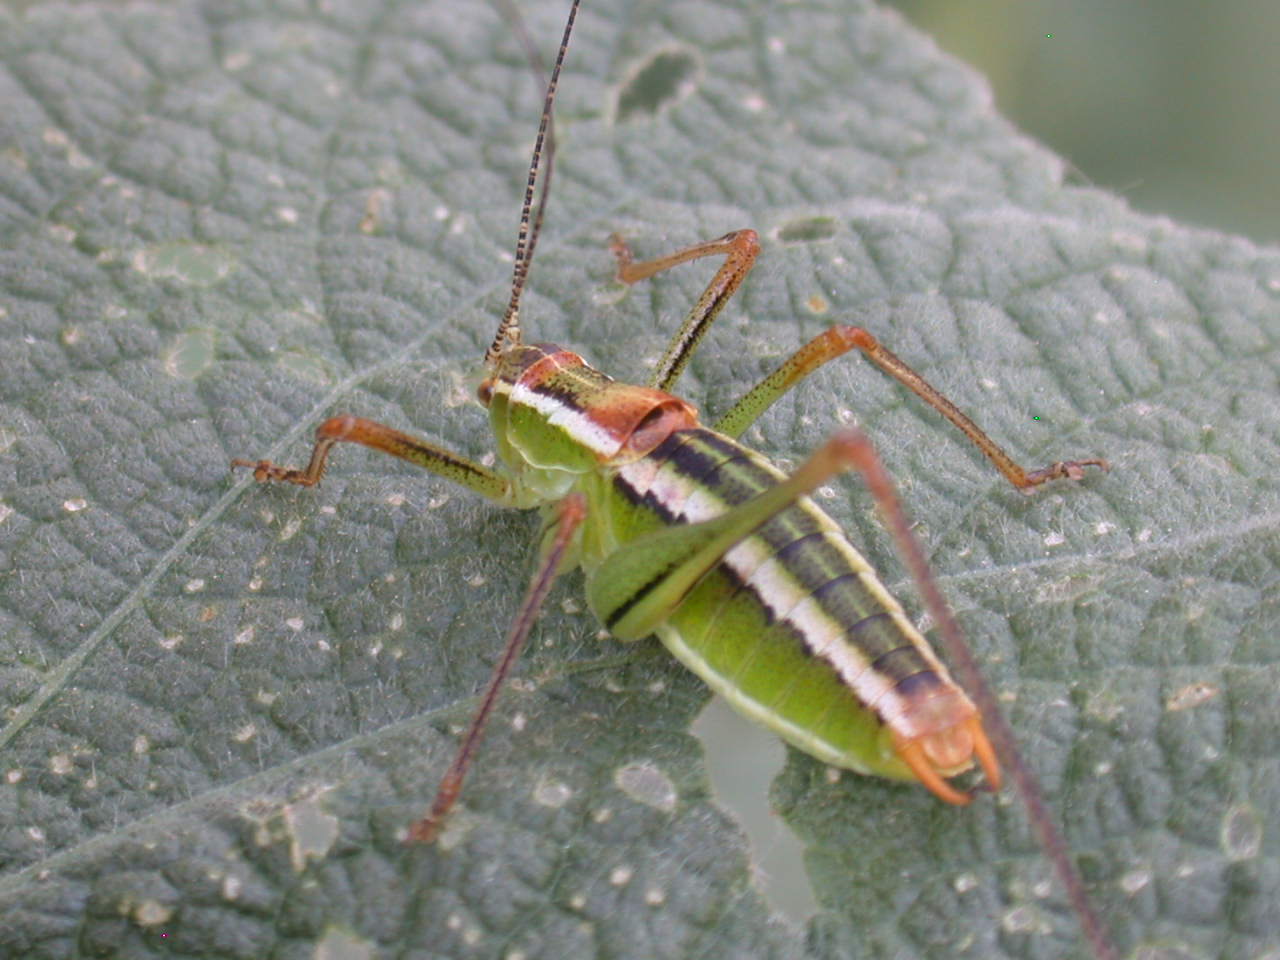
pixel 839 340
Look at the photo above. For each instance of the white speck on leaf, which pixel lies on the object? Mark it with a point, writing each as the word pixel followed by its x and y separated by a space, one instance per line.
pixel 646 783
pixel 231 887
pixel 1134 880
pixel 312 832
pixel 151 913
pixel 342 944
pixel 1192 695
pixel 964 883
pixel 1241 834
pixel 552 793
pixel 1023 920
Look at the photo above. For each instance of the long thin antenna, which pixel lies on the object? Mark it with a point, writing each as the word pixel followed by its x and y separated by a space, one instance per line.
pixel 527 238
pixel 521 30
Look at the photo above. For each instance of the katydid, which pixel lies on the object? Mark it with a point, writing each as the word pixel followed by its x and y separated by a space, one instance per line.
pixel 684 532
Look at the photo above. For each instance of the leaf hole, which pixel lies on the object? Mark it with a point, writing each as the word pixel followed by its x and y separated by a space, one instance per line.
pixel 807 230
pixel 665 78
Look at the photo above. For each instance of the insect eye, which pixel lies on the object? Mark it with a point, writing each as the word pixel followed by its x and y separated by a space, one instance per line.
pixel 485 392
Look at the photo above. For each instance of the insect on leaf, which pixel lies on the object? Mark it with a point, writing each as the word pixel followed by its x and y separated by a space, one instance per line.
pixel 220 224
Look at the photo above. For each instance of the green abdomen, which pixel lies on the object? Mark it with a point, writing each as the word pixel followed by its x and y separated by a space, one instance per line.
pixel 792 627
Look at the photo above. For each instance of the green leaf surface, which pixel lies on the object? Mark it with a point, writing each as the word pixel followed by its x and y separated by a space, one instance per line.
pixel 220 222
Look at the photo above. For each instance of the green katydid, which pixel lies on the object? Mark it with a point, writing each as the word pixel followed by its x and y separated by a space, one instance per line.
pixel 685 533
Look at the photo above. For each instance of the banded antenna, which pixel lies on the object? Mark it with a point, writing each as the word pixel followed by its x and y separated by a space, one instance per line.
pixel 521 30
pixel 530 225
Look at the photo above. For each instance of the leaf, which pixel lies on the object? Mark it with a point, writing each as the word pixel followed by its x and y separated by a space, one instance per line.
pixel 225 702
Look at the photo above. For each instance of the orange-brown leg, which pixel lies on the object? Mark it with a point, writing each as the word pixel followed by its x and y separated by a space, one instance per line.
pixel 839 340
pixel 570 513
pixel 378 436
pixel 988 733
pixel 740 250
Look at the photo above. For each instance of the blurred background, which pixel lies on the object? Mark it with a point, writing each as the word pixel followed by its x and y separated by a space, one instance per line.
pixel 1174 104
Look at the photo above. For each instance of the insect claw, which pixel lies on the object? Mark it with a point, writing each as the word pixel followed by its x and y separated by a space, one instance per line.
pixel 263 470
pixel 618 247
pixel 1070 469
pixel 423 832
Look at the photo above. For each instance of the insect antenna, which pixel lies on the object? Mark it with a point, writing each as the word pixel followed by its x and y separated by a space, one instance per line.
pixel 530 221
pixel 521 31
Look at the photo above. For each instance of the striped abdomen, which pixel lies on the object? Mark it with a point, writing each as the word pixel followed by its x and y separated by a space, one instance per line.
pixel 792 627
